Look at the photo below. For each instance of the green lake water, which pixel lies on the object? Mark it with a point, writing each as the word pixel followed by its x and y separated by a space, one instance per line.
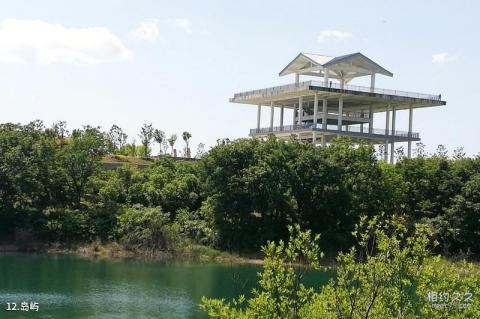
pixel 73 287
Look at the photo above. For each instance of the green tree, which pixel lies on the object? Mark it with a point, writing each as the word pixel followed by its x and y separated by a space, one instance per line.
pixel 60 130
pixel 30 174
pixel 116 138
pixel 258 188
pixel 147 228
pixel 391 275
pixel 159 137
pixel 171 141
pixel 281 294
pixel 146 135
pixel 200 150
pixel 386 275
pixel 80 159
pixel 249 186
pixel 462 216
pixel 186 137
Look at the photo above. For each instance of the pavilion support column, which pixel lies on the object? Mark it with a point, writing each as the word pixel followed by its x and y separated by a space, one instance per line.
pixel 297 78
pixel 340 112
pixel 294 115
pixel 314 138
pixel 362 115
pixel 323 139
pixel 372 82
pixel 259 113
pixel 387 126
pixel 370 119
pixel 281 117
pixel 392 145
pixel 271 116
pixel 325 77
pixel 410 119
pixel 325 114
pixel 300 110
pixel 315 111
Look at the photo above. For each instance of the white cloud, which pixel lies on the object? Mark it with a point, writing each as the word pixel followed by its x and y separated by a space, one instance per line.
pixel 442 58
pixel 39 42
pixel 147 30
pixel 336 35
pixel 184 24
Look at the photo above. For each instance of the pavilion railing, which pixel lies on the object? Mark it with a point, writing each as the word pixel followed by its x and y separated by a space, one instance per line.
pixel 367 89
pixel 267 92
pixel 334 128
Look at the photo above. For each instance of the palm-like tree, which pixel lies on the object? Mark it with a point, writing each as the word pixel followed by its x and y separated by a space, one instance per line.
pixel 186 137
pixel 171 140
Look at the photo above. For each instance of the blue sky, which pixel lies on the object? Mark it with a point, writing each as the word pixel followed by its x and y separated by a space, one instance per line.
pixel 176 63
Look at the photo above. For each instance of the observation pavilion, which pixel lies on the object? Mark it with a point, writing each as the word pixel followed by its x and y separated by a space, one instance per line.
pixel 329 107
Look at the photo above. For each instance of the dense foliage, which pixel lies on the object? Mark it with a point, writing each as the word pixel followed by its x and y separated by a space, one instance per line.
pixel 387 274
pixel 236 197
pixel 258 188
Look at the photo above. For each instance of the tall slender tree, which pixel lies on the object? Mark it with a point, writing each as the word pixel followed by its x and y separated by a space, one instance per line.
pixel 171 141
pixel 186 137
pixel 159 137
pixel 200 150
pixel 60 130
pixel 165 146
pixel 146 136
pixel 117 138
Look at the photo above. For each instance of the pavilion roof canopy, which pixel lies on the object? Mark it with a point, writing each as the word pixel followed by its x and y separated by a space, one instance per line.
pixel 345 67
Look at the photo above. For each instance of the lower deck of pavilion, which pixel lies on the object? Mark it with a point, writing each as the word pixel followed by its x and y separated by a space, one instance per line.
pixel 315 133
pixel 318 135
pixel 323 128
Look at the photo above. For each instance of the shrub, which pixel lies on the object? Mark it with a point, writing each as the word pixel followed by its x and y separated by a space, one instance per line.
pixel 193 226
pixel 67 226
pixel 140 227
pixel 112 191
pixel 386 275
pixel 103 221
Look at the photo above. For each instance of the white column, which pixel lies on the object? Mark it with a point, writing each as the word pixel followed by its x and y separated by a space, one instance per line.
pixel 281 117
pixel 323 139
pixel 294 114
pixel 259 113
pixel 325 77
pixel 271 116
pixel 297 78
pixel 340 112
pixel 315 111
pixel 372 82
pixel 325 114
pixel 387 128
pixel 300 110
pixel 410 119
pixel 370 119
pixel 362 115
pixel 314 138
pixel 392 145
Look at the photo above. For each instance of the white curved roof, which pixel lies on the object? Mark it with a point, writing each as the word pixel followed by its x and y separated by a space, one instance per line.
pixel 344 67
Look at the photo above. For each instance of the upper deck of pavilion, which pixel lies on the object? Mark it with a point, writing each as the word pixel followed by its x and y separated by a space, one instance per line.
pixel 287 95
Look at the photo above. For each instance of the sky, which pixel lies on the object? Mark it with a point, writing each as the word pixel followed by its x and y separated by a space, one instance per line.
pixel 175 64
